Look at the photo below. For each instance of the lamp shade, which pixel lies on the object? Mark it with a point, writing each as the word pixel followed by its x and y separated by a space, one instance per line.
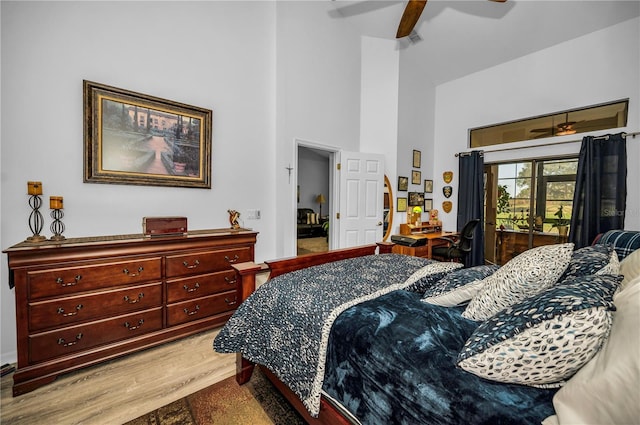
pixel 321 199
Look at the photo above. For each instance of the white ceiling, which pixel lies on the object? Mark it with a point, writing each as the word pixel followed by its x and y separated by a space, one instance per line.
pixel 462 37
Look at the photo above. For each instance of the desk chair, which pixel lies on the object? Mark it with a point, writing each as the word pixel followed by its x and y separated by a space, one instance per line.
pixel 459 247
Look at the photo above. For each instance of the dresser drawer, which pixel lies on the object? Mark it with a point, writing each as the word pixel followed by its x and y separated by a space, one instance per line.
pixel 81 308
pixel 69 280
pixel 199 286
pixel 200 308
pixel 48 345
pixel 206 261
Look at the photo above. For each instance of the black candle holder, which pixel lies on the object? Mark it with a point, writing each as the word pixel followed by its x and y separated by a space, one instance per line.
pixel 57 226
pixel 36 220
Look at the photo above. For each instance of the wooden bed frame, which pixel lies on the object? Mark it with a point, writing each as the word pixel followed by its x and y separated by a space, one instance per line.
pixel 246 272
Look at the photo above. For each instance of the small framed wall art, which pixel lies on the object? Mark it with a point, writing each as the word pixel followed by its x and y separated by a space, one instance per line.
pixel 428 204
pixel 402 204
pixel 403 183
pixel 417 158
pixel 428 186
pixel 416 177
pixel 416 199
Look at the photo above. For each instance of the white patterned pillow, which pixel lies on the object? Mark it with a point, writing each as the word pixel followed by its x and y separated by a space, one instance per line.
pixel 526 275
pixel 605 390
pixel 613 267
pixel 547 338
pixel 458 287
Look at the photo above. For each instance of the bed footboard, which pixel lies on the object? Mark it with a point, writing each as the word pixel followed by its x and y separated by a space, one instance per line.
pixel 246 275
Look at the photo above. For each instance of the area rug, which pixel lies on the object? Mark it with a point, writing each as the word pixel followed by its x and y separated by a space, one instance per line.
pixel 256 402
pixel 309 245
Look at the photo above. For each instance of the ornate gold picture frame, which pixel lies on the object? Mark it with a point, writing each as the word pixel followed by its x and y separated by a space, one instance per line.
pixel 133 138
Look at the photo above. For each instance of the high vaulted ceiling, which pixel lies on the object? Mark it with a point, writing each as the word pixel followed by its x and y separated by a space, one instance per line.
pixel 462 37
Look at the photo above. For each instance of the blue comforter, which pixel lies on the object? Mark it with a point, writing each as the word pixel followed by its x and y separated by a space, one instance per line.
pixel 391 360
pixel 285 324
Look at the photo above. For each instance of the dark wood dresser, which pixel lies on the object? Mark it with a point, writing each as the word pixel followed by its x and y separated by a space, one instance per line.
pixel 83 301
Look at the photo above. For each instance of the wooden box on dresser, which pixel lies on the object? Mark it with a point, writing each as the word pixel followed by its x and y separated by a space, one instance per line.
pixel 83 301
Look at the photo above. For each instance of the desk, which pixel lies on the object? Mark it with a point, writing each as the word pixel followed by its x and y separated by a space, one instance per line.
pixel 510 243
pixel 424 251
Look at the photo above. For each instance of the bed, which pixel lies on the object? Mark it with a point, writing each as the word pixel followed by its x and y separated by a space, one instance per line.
pixel 354 337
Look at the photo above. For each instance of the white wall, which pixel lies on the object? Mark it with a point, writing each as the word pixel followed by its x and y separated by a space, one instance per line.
pixel 380 81
pixel 415 128
pixel 599 67
pixel 317 97
pixel 217 55
pixel 270 71
pixel 313 179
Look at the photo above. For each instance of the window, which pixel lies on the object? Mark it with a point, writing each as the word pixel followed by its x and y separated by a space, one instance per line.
pixel 588 119
pixel 527 204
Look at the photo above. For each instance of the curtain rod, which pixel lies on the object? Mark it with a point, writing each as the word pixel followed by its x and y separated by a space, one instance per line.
pixel 605 137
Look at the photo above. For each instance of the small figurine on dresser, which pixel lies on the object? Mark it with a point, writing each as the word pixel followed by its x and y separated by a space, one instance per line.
pixel 233 219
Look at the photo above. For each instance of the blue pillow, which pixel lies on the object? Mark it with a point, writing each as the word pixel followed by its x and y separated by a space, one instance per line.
pixel 587 261
pixel 425 277
pixel 623 241
pixel 458 287
pixel 546 338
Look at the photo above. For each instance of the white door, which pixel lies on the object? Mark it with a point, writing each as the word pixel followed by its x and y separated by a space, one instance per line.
pixel 360 198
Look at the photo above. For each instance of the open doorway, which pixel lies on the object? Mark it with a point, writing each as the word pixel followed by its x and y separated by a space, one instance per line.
pixel 314 199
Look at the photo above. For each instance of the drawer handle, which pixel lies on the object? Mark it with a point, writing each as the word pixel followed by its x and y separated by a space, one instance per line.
pixel 230 281
pixel 61 341
pixel 60 281
pixel 134 300
pixel 191 313
pixel 126 271
pixel 73 313
pixel 232 260
pixel 195 287
pixel 133 328
pixel 230 302
pixel 192 266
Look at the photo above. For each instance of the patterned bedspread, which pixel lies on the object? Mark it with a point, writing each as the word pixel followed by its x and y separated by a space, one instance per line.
pixel 285 324
pixel 392 360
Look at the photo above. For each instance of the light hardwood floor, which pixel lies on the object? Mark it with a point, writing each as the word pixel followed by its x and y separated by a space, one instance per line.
pixel 121 390
pixel 124 389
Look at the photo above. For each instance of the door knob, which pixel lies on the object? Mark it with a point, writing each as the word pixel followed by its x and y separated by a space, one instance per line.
pixel 379 223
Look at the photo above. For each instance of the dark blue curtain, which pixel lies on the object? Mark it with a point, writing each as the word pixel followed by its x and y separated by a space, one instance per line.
pixel 471 202
pixel 600 197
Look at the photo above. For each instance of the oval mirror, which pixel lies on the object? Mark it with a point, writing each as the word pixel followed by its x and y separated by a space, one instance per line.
pixel 387 213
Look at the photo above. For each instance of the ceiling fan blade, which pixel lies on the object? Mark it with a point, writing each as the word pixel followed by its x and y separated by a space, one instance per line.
pixel 410 17
pixel 542 130
pixel 499 1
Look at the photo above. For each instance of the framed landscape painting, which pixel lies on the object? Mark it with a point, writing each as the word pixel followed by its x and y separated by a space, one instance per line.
pixel 133 138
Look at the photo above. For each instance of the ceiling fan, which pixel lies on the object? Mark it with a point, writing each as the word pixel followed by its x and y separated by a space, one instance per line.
pixel 562 129
pixel 412 13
